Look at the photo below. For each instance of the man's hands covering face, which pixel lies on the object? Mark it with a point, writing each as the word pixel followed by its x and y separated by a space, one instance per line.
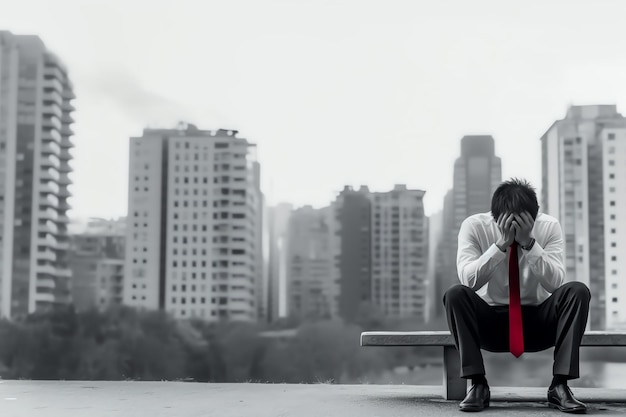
pixel 523 225
pixel 514 227
pixel 507 231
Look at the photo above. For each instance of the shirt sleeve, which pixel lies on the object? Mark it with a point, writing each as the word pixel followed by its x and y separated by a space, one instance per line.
pixel 474 266
pixel 547 263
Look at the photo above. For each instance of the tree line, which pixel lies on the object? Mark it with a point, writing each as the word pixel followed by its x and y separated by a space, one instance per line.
pixel 128 344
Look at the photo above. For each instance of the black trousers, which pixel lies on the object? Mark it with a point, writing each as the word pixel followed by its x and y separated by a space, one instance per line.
pixel 559 321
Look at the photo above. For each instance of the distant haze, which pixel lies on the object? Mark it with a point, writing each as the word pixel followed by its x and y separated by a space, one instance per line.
pixel 333 92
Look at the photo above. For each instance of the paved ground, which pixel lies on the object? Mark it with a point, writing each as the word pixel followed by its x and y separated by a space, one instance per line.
pixel 179 399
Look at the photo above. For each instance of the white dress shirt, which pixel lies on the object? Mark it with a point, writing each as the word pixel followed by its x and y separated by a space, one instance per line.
pixel 482 266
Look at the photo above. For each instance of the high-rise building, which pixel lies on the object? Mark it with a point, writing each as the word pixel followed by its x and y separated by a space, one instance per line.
pixel 477 174
pixel 97 263
pixel 400 253
pixel 278 221
pixel 35 139
pixel 313 291
pixel 353 210
pixel 583 163
pixel 381 251
pixel 194 224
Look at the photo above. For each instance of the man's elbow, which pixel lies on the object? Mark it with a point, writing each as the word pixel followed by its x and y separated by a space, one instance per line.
pixel 471 282
pixel 558 279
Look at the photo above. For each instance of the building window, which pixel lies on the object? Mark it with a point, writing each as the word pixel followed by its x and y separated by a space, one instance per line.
pixel 612 216
pixel 612 176
pixel 612 203
pixel 613 230
pixel 613 258
pixel 613 244
pixel 611 136
pixel 612 162
pixel 614 299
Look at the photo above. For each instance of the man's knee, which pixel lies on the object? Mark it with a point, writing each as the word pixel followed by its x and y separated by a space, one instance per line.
pixel 455 293
pixel 578 290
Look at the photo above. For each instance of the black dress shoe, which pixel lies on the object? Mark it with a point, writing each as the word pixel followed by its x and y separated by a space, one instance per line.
pixel 477 399
pixel 561 397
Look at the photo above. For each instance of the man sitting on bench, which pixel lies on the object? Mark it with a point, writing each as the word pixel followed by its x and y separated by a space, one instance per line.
pixel 513 295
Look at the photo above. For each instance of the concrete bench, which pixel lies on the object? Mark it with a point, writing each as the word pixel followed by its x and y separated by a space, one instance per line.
pixel 455 387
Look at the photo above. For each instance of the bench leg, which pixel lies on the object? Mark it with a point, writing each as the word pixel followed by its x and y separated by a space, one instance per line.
pixel 454 387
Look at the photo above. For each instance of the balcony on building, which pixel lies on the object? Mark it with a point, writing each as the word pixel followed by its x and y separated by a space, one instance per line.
pixel 46 269
pixel 45 297
pixel 66 118
pixel 64 179
pixel 46 284
pixel 50 174
pixel 47 226
pixel 48 241
pixel 66 131
pixel 51 134
pixel 46 254
pixel 52 110
pixel 53 97
pixel 48 186
pixel 50 148
pixel 51 70
pixel 53 84
pixel 48 200
pixel 68 94
pixel 65 166
pixel 51 122
pixel 64 192
pixel 65 154
pixel 47 213
pixel 67 106
pixel 66 142
pixel 63 206
pixel 63 219
pixel 50 160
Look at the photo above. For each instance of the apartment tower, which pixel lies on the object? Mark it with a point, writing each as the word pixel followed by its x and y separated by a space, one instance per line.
pixel 35 139
pixel 194 225
pixel 583 185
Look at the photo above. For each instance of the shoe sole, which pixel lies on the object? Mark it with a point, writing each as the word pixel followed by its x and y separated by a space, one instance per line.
pixel 568 410
pixel 474 409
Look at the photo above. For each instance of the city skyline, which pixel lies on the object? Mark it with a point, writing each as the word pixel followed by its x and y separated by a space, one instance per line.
pixel 372 84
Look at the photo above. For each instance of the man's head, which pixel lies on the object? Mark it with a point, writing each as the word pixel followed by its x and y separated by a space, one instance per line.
pixel 514 196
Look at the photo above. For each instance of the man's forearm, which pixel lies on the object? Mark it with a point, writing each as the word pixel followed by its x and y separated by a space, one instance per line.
pixel 475 273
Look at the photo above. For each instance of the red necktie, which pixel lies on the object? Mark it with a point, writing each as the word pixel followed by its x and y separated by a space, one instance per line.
pixel 516 330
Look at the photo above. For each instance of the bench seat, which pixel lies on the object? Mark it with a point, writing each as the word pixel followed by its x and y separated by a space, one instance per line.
pixel 454 386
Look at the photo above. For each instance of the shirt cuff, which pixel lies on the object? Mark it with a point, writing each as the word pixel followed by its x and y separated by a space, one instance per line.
pixel 494 252
pixel 534 253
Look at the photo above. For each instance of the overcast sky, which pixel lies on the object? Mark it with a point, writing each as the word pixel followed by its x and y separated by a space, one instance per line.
pixel 333 92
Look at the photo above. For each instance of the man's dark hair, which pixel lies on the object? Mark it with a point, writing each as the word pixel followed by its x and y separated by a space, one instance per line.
pixel 514 196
